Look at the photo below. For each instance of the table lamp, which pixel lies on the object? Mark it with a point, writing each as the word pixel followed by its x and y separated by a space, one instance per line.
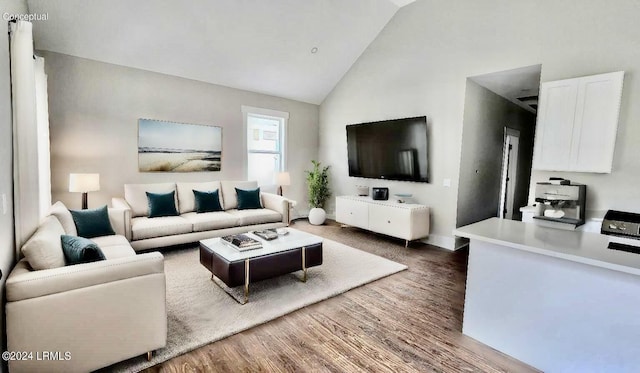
pixel 84 183
pixel 282 178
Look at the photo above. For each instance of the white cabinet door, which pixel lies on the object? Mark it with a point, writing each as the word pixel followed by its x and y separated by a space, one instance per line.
pixel 352 212
pixel 392 221
pixel 577 123
pixel 596 124
pixel 554 130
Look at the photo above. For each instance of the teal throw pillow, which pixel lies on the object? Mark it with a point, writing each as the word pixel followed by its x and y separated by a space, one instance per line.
pixel 207 201
pixel 92 223
pixel 248 199
pixel 78 250
pixel 162 204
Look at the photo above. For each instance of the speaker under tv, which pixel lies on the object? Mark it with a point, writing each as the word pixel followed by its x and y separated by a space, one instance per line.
pixel 380 194
pixel 391 149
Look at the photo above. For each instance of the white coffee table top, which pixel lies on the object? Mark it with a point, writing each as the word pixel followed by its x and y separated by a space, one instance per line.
pixel 293 240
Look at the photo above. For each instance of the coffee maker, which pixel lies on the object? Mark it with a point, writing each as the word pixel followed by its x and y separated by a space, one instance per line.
pixel 563 206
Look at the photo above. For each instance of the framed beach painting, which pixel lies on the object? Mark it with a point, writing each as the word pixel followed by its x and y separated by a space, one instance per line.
pixel 177 147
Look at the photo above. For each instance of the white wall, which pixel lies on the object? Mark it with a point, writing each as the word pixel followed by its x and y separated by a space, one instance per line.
pixel 94 109
pixel 419 63
pixel 7 251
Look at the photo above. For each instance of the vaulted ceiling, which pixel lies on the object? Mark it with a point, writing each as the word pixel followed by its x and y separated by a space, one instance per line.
pixel 297 49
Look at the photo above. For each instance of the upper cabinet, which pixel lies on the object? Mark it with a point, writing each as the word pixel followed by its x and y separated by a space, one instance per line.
pixel 577 123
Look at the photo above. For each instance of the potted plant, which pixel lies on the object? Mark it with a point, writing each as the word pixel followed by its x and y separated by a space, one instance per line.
pixel 318 185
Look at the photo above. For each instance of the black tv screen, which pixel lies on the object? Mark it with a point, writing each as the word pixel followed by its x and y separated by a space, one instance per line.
pixel 391 149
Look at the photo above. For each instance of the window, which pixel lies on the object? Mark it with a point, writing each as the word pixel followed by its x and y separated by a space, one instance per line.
pixel 265 143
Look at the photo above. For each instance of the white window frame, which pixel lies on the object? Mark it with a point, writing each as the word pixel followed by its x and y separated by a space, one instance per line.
pixel 282 116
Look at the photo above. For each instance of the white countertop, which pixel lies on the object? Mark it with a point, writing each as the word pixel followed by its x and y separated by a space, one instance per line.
pixel 583 247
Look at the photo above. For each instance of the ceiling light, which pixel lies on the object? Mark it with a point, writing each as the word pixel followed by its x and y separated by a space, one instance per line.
pixel 314 50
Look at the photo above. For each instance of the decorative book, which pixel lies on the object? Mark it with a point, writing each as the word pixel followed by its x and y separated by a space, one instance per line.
pixel 241 242
pixel 267 234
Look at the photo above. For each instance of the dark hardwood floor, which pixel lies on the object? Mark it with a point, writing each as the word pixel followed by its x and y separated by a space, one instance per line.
pixel 407 322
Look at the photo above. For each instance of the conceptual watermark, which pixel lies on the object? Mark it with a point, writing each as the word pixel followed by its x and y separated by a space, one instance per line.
pixel 30 17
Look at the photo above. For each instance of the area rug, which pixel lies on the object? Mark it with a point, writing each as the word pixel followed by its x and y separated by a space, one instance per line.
pixel 200 312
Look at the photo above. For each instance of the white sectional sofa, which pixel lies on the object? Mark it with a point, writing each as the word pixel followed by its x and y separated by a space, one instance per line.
pixel 100 313
pixel 146 233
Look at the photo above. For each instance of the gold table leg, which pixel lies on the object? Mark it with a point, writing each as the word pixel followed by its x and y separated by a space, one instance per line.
pixel 304 264
pixel 246 280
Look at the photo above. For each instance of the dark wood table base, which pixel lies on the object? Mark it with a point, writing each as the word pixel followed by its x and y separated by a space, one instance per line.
pixel 244 272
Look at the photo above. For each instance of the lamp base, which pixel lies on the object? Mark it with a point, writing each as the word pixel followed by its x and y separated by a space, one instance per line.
pixel 279 190
pixel 84 201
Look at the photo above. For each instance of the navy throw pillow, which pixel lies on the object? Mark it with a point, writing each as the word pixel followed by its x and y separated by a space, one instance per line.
pixel 207 201
pixel 92 223
pixel 248 199
pixel 78 250
pixel 162 204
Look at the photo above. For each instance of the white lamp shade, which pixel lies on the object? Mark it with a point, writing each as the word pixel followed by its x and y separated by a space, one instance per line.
pixel 83 183
pixel 283 178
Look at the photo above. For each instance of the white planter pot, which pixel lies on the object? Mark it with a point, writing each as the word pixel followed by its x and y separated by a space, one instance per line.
pixel 317 216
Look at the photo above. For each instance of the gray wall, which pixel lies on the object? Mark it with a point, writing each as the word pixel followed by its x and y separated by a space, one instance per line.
pixel 419 63
pixel 93 112
pixel 7 250
pixel 485 117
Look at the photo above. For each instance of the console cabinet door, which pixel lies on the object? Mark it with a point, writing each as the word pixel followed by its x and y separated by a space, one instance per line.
pixel 389 220
pixel 352 212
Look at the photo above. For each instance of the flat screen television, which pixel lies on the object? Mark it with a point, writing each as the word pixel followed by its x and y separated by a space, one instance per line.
pixel 390 149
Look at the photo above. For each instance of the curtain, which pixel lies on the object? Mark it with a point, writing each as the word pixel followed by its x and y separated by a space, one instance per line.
pixel 29 162
pixel 44 151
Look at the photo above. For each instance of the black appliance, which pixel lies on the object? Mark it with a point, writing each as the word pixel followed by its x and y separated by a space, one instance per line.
pixel 391 149
pixel 625 229
pixel 380 194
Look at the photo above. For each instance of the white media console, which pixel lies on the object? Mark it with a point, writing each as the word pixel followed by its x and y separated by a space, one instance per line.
pixel 407 221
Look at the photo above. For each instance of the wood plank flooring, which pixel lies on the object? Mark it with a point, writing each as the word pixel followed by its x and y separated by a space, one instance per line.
pixel 408 322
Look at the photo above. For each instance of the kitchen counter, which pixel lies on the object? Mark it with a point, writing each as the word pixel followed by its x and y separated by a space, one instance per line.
pixel 578 246
pixel 558 300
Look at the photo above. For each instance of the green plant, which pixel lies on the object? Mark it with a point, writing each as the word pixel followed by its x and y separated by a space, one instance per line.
pixel 318 184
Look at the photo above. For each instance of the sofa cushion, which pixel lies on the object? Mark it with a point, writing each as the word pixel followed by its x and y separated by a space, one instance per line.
pixel 248 199
pixel 143 227
pixel 60 211
pixel 211 220
pixel 136 197
pixel 256 216
pixel 207 201
pixel 162 204
pixel 115 246
pixel 186 201
pixel 44 249
pixel 78 250
pixel 93 222
pixel 229 192
pixel 106 241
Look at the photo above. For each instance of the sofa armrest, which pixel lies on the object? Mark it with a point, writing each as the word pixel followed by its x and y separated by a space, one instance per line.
pixel 276 203
pixel 122 204
pixel 118 220
pixel 24 283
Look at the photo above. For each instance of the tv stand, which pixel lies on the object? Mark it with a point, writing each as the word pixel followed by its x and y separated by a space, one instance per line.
pixel 407 221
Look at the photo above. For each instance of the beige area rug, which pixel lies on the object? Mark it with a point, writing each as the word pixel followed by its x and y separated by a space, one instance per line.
pixel 200 312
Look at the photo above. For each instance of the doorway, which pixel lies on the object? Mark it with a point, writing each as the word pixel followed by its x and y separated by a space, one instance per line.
pixel 509 178
pixel 497 144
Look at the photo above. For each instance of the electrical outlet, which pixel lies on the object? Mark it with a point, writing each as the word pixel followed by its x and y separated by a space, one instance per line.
pixel 446 183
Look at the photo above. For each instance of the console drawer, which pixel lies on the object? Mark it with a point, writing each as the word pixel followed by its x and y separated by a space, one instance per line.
pixel 390 220
pixel 352 212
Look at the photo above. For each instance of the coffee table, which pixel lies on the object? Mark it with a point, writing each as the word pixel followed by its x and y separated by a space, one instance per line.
pixel 288 253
